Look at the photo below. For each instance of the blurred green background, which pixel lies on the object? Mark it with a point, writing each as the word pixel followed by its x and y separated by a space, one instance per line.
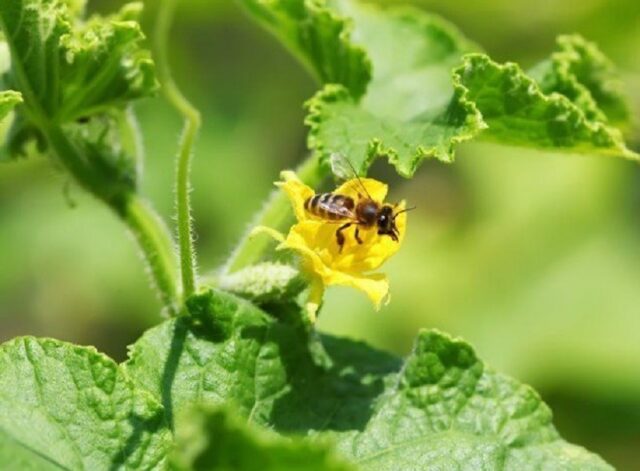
pixel 534 258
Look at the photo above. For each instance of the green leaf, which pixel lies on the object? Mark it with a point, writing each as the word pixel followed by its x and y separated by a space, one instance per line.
pixel 67 68
pixel 73 408
pixel 318 37
pixel 518 112
pixel 415 108
pixel 105 65
pixel 581 72
pixel 16 455
pixel 214 439
pixel 441 408
pixel 446 409
pixel 76 76
pixel 412 109
pixel 8 100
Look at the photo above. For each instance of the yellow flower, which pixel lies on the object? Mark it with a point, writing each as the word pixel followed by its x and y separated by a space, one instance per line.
pixel 314 239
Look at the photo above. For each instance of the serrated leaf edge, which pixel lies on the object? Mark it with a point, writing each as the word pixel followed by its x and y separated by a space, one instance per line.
pixel 376 148
pixel 514 69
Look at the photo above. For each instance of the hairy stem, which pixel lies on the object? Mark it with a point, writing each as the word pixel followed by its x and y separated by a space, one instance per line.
pixel 157 247
pixel 276 214
pixel 149 231
pixel 191 126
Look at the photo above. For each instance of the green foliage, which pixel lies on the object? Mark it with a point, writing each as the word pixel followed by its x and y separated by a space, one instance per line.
pixel 415 108
pixel 69 69
pixel 517 112
pixel 318 37
pixel 412 110
pixel 581 72
pixel 73 408
pixel 442 407
pixel 76 78
pixel 215 439
pixel 15 455
pixel 69 407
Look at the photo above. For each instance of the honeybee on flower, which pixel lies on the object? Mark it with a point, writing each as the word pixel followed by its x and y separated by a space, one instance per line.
pixel 329 254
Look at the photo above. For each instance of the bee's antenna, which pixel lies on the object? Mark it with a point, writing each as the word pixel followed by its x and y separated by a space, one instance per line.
pixel 355 174
pixel 404 211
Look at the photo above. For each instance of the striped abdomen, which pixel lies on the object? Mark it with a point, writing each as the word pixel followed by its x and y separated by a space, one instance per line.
pixel 330 206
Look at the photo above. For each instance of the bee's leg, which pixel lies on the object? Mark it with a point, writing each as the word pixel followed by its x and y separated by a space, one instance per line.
pixel 340 235
pixel 358 236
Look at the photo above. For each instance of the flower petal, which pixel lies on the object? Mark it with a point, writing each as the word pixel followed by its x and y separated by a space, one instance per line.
pixel 315 240
pixel 297 192
pixel 317 260
pixel 375 285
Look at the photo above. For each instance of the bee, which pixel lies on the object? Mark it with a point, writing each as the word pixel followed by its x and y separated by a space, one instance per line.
pixel 364 212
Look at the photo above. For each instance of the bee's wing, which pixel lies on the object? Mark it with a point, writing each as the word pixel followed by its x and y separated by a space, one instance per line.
pixel 343 168
pixel 337 209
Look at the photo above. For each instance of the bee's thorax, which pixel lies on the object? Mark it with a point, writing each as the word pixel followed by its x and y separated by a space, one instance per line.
pixel 367 212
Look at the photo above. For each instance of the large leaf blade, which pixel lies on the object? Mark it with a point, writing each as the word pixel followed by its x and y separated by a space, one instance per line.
pixel 16 455
pixel 580 71
pixel 74 408
pixel 412 109
pixel 441 407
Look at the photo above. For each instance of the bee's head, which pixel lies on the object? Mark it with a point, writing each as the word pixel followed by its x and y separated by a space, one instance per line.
pixel 387 221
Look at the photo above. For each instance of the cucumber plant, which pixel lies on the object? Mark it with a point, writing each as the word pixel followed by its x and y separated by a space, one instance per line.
pixel 237 377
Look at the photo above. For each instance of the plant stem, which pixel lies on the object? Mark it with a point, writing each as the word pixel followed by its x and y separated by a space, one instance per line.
pixel 192 124
pixel 144 223
pixel 148 229
pixel 157 247
pixel 276 214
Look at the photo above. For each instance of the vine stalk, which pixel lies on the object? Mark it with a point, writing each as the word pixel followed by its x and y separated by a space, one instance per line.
pixel 191 126
pixel 156 245
pixel 147 227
